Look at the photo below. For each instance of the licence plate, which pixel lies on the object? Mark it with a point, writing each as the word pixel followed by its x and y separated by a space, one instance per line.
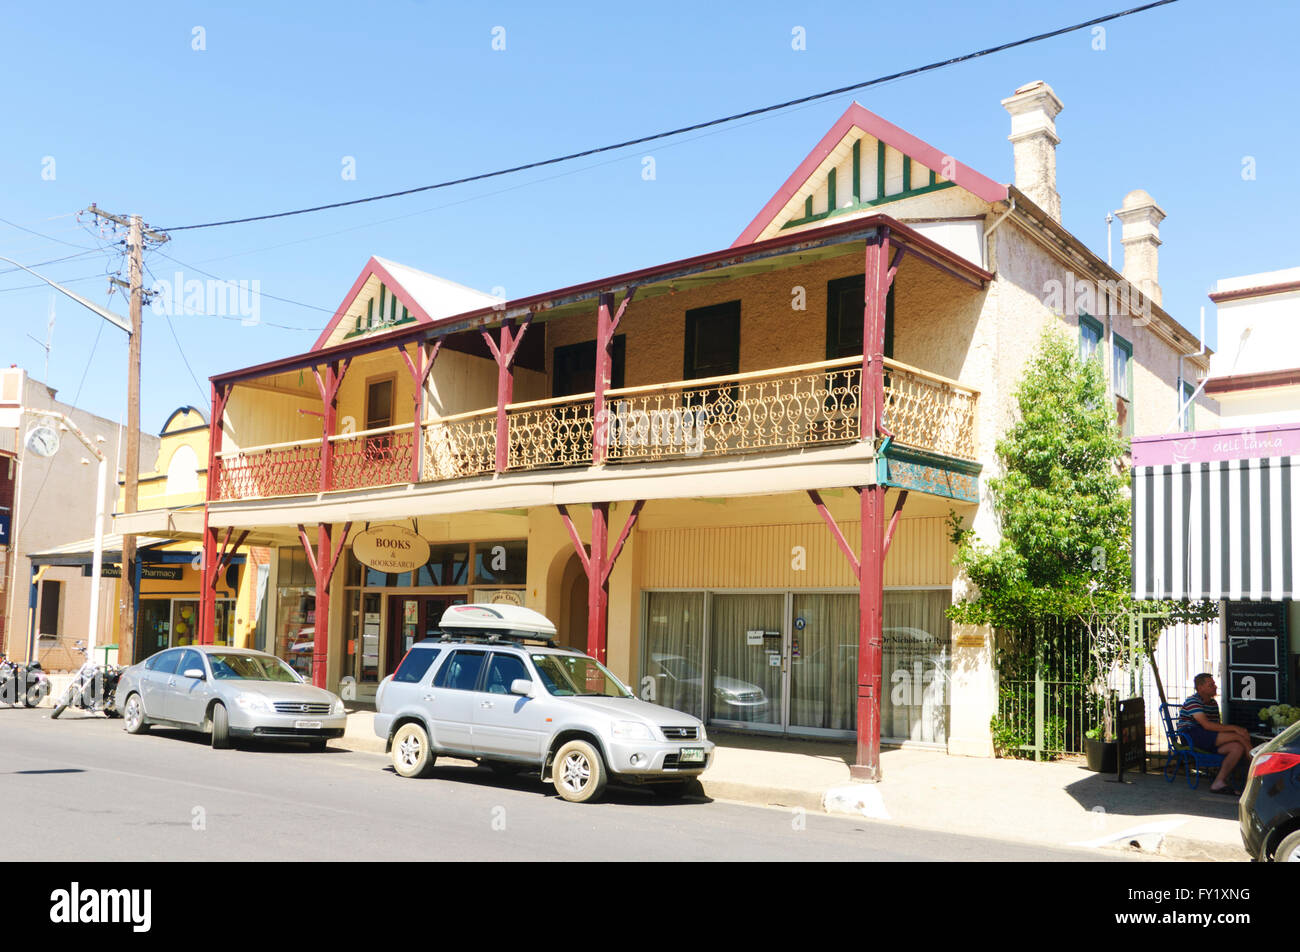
pixel 307 725
pixel 691 755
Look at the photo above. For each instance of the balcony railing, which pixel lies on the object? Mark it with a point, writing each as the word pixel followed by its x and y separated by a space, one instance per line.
pixel 787 408
pixel 929 412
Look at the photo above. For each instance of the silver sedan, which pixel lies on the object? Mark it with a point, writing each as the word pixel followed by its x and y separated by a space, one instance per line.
pixel 228 692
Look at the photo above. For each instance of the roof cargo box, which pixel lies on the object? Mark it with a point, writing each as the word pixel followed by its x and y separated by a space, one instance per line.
pixel 496 620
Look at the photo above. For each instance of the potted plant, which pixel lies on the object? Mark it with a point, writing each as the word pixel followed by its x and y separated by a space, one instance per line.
pixel 1100 747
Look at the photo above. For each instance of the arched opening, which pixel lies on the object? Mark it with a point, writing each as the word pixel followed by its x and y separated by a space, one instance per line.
pixel 572 630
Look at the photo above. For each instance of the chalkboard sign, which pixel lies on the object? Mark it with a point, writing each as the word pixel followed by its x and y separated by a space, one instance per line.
pixel 1257 651
pixel 1131 733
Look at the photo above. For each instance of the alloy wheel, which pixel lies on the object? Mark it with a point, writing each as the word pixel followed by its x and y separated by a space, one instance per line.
pixel 575 772
pixel 133 713
pixel 409 751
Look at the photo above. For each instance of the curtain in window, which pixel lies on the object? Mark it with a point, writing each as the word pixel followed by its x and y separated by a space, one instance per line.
pixel 745 683
pixel 824 662
pixel 915 692
pixel 673 651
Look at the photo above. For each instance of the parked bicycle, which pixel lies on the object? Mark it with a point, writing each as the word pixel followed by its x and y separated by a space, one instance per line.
pixel 94 688
pixel 25 684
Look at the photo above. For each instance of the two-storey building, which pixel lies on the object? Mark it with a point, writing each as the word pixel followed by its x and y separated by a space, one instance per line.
pixel 729 475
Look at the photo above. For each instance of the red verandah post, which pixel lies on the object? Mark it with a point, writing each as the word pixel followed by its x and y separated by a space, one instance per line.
pixel 504 354
pixel 207 621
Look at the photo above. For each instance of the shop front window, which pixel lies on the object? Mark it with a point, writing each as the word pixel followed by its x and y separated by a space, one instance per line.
pixel 295 616
pixel 185 622
pixel 674 651
pixel 501 563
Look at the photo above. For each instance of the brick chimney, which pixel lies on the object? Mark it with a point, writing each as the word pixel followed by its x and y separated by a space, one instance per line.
pixel 1140 219
pixel 1033 109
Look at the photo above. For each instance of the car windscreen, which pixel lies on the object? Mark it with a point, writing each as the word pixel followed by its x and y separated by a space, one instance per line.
pixel 577 675
pixel 242 667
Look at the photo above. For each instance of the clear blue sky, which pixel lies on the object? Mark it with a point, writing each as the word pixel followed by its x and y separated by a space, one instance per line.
pixel 137 120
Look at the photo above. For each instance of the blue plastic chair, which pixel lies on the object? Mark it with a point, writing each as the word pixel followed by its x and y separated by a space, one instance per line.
pixel 1182 753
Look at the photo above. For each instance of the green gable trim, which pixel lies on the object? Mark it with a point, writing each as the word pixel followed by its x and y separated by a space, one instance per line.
pixel 880 170
pixel 847 209
pixel 830 189
pixel 807 206
pixel 380 321
pixel 933 177
pixel 907 173
pixel 857 171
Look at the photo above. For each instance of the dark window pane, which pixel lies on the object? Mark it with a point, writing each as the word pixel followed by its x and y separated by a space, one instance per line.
pixel 460 673
pixel 845 306
pixel 447 565
pixel 379 404
pixel 415 664
pixel 504 670
pixel 713 341
pixel 188 661
pixel 573 367
pixel 501 563
pixel 167 661
pixel 51 593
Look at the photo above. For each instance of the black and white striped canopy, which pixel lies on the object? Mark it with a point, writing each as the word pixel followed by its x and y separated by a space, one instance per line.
pixel 1220 529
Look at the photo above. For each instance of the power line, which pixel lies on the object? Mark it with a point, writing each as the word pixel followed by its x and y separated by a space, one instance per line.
pixel 283 300
pixel 171 325
pixel 914 71
pixel 46 237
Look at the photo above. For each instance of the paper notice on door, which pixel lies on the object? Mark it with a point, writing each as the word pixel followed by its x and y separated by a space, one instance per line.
pixel 754 637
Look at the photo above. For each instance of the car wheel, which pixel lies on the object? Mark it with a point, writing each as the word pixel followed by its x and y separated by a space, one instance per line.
pixel 135 719
pixel 220 727
pixel 677 789
pixel 1288 851
pixel 579 772
pixel 412 752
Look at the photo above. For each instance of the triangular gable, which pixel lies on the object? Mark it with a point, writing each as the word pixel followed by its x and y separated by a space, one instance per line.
pixel 388 296
pixel 861 163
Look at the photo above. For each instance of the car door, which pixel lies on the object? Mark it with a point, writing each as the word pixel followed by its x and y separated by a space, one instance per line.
pixel 155 687
pixel 188 697
pixel 451 700
pixel 505 724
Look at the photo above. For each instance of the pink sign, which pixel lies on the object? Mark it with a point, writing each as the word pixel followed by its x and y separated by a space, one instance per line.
pixel 1207 446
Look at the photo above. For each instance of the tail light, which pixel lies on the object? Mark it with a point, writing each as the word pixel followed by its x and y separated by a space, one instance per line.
pixel 1273 763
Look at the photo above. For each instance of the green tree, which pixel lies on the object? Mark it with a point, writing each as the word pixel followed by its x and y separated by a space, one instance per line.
pixel 1064 513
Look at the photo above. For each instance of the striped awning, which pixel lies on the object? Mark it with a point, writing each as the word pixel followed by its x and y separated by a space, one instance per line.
pixel 1217 529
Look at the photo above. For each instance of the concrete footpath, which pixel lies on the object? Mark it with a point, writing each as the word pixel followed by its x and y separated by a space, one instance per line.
pixel 1052 804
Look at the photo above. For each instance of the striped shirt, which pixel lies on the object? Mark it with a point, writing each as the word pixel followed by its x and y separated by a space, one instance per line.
pixel 1195 705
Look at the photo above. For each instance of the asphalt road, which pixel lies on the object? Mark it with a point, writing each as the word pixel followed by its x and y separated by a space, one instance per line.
pixel 93 792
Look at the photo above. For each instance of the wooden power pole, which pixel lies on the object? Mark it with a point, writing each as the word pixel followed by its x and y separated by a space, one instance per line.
pixel 136 235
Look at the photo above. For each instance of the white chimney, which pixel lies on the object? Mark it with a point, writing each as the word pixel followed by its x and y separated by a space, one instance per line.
pixel 1034 108
pixel 1141 218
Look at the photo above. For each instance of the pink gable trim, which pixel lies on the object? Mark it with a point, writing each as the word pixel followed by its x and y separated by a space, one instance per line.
pixel 372 267
pixel 888 133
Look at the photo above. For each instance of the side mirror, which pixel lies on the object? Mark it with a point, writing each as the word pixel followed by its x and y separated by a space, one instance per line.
pixel 521 686
pixel 195 673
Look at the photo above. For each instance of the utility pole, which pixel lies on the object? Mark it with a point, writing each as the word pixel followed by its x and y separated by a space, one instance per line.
pixel 136 235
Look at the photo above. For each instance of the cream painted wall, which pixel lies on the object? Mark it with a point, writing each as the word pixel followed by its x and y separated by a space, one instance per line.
pixel 1272 342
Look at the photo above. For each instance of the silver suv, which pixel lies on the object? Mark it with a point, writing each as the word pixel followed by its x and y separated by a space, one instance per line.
pixel 503 693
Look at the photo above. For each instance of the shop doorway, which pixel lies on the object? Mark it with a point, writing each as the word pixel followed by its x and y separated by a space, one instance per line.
pixel 413 618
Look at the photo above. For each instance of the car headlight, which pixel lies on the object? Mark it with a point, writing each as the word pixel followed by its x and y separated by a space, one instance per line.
pixel 632 730
pixel 338 707
pixel 253 702
pixel 703 734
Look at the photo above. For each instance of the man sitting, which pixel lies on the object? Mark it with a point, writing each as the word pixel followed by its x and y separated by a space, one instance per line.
pixel 1199 718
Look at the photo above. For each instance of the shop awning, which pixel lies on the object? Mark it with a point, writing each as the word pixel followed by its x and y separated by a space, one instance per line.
pixel 1216 514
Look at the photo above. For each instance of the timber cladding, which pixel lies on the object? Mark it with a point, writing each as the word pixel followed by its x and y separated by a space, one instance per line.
pixel 800 555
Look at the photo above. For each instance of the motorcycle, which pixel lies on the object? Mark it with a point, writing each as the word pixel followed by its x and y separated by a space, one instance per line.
pixel 25 684
pixel 94 689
